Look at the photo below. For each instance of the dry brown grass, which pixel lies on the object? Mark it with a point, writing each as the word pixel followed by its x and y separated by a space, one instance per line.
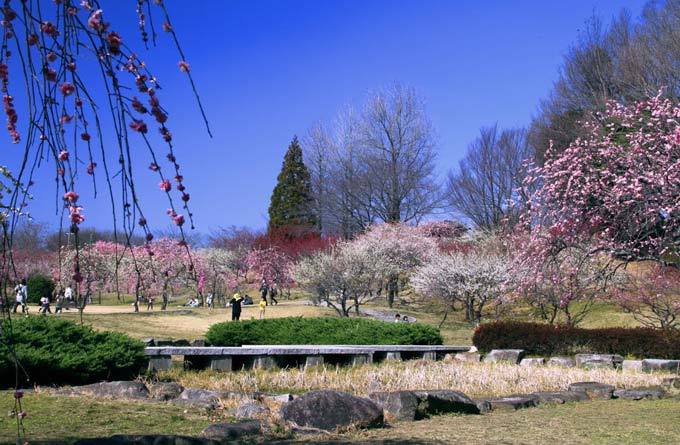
pixel 474 379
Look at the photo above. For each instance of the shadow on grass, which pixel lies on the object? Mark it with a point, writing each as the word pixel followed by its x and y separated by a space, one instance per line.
pixel 185 440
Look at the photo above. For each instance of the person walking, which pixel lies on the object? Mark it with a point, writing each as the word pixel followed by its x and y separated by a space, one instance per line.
pixel 209 301
pixel 263 307
pixel 264 288
pixel 58 301
pixel 21 297
pixel 149 302
pixel 235 307
pixel 273 292
pixel 45 305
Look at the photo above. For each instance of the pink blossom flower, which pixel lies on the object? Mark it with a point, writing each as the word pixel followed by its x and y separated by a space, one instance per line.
pixel 85 136
pixel 114 40
pixel 139 126
pixel 167 27
pixel 91 167
pixel 71 196
pixel 67 88
pixel 178 220
pixel 154 167
pixel 32 40
pixel 165 185
pixel 63 155
pixel 183 66
pixel 76 214
pixel 138 106
pixel 96 21
pixel 49 29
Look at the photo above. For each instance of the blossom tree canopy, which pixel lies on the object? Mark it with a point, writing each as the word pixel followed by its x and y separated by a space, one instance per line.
pixel 474 279
pixel 618 188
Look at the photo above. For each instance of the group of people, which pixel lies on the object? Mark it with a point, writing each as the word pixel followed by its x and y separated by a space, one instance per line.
pixel 61 297
pixel 265 290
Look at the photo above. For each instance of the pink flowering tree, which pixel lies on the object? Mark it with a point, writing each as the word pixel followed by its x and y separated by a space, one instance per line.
pixel 272 265
pixel 398 249
pixel 617 190
pixel 652 296
pixel 221 269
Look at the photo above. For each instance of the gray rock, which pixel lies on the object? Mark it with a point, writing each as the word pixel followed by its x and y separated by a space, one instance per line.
pixel 483 405
pixel 532 361
pixel 148 341
pixel 399 405
pixel 232 431
pixel 593 390
pixel 121 389
pixel 653 364
pixel 559 397
pixel 199 398
pixel 511 403
pixel 565 362
pixel 504 355
pixel 446 401
pixel 468 357
pixel 164 342
pixel 165 390
pixel 599 361
pixel 332 410
pixel 671 384
pixel 654 392
pixel 251 410
pixel 198 342
pixel 632 365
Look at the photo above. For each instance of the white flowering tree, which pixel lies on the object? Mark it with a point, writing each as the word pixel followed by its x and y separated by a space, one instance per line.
pixel 396 249
pixel 475 279
pixel 345 277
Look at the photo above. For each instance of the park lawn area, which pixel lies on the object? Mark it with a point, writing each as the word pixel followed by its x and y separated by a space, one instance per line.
pixel 63 418
pixel 186 323
pixel 595 422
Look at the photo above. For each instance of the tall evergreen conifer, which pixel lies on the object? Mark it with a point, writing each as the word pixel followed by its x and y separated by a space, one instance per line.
pixel 291 208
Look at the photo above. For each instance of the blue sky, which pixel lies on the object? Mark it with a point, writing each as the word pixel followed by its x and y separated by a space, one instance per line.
pixel 268 70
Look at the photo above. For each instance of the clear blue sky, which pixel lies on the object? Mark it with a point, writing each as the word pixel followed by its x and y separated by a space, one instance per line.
pixel 267 70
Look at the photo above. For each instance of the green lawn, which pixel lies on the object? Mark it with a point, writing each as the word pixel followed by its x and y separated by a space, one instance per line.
pixel 64 418
pixel 597 422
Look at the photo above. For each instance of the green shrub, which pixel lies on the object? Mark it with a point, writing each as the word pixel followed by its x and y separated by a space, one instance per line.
pixel 547 340
pixel 321 331
pixel 54 351
pixel 39 286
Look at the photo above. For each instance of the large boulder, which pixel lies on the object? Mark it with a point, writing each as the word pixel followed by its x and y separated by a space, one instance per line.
pixel 332 410
pixel 446 401
pixel 165 390
pixel 654 364
pixel 563 361
pixel 594 390
pixel 232 431
pixel 504 355
pixel 654 392
pixel 199 398
pixel 118 390
pixel 599 361
pixel 399 405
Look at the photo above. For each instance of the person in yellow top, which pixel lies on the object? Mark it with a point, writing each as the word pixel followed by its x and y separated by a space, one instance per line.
pixel 263 306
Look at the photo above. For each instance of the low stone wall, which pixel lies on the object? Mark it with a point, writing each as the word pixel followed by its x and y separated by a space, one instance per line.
pixel 270 356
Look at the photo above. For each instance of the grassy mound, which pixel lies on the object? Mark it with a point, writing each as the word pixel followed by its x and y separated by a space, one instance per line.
pixel 54 351
pixel 321 331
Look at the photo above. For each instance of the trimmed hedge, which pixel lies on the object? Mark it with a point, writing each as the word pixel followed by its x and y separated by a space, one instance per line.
pixel 55 351
pixel 321 331
pixel 39 286
pixel 549 340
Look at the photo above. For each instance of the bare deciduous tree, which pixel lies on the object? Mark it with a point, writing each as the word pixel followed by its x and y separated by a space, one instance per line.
pixel 489 177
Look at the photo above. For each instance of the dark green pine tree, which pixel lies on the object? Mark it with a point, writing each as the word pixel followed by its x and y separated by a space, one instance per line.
pixel 291 209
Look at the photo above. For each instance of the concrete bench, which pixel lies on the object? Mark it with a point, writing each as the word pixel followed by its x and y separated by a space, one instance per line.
pixel 268 356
